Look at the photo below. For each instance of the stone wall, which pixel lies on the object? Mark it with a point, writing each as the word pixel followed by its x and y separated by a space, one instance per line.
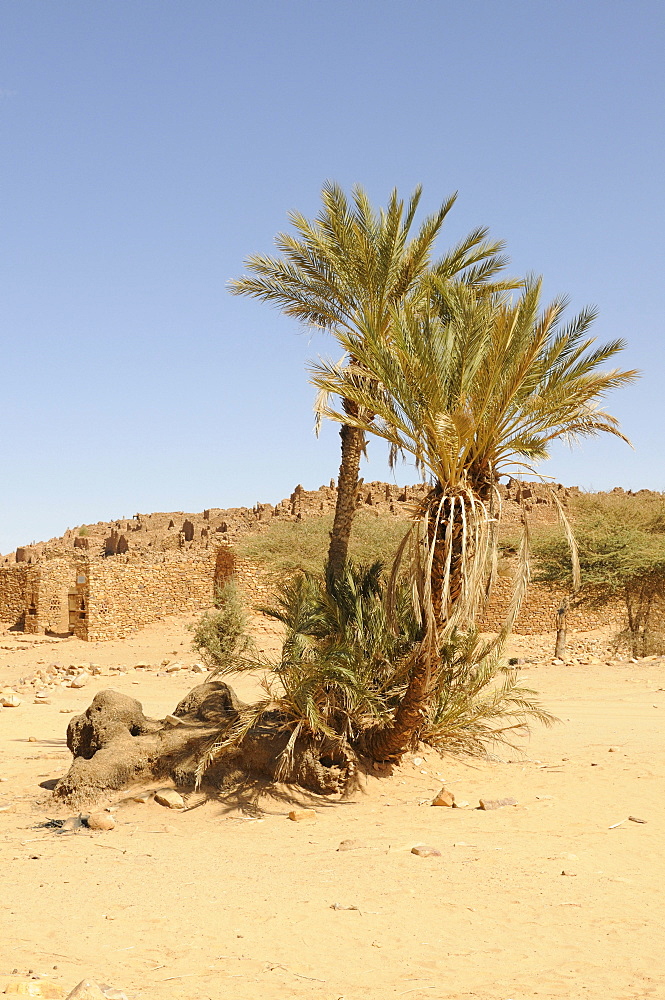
pixel 13 581
pixel 538 613
pixel 122 594
pixel 47 596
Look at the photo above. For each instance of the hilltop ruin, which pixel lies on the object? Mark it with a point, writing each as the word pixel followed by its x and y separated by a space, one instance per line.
pixel 102 581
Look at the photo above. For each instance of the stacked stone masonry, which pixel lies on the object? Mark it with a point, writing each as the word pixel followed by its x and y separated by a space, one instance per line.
pixel 104 580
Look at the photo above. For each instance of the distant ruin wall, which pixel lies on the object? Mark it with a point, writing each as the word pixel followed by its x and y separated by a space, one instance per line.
pixel 13 581
pixel 46 599
pixel 123 595
pixel 538 613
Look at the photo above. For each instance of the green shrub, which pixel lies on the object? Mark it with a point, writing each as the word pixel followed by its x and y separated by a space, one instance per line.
pixel 221 636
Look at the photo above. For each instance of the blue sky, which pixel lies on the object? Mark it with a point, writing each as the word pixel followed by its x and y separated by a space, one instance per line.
pixel 149 147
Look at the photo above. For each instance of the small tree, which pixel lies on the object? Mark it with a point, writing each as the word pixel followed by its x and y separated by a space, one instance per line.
pixel 621 544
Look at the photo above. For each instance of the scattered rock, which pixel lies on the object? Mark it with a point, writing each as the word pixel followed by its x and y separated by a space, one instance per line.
pixel 444 798
pixel 300 815
pixel 422 851
pixel 86 990
pixel 462 804
pixel 170 798
pixel 45 988
pixel 42 700
pixel 100 821
pixel 351 845
pixel 488 804
pixel 80 681
pixel 72 824
pixel 418 761
pixel 9 700
pixel 32 739
pixel 112 994
pixel 570 874
pixel 141 797
pixel 174 720
pixel 174 667
pixel 198 668
pixel 636 819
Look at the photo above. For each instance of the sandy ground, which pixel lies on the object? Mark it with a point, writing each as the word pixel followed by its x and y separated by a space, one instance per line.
pixel 546 899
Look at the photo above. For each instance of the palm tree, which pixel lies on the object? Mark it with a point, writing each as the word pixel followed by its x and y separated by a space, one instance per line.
pixel 344 272
pixel 474 388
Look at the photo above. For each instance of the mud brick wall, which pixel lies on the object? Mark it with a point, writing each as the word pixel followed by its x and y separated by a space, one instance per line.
pixel 122 594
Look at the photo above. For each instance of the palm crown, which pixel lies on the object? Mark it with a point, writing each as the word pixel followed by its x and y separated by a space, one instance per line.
pixel 479 386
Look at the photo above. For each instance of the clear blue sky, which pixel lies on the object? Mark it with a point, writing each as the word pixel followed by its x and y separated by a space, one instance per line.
pixel 148 146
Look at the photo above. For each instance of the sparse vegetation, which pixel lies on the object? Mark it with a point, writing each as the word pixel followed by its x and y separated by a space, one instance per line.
pixel 220 636
pixel 287 546
pixel 621 543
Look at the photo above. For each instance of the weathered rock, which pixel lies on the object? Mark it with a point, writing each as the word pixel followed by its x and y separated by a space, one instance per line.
pixel 101 821
pixel 86 990
pixel 170 798
pixel 444 798
pixel 174 667
pixel 302 815
pixel 44 988
pixel 488 804
pixel 79 681
pixel 423 851
pixel 9 700
pixel 198 668
pixel 351 845
pixel 72 824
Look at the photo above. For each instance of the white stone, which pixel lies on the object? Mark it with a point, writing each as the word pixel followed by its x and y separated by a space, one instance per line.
pixel 79 681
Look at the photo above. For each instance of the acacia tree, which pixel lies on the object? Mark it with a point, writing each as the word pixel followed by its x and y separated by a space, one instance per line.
pixel 345 272
pixel 476 387
pixel 621 544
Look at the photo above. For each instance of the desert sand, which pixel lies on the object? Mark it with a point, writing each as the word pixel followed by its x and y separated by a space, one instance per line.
pixel 231 900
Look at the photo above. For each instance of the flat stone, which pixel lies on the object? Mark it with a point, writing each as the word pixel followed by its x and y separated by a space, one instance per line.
pixel 636 819
pixel 42 701
pixel 45 988
pixel 174 667
pixel 488 804
pixel 86 990
pixel 141 797
pixel 302 815
pixel 100 821
pixel 423 851
pixel 444 798
pixel 174 720
pixel 351 845
pixel 8 700
pixel 170 798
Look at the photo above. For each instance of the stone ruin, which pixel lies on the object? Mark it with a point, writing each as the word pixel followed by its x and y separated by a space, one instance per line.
pixel 101 581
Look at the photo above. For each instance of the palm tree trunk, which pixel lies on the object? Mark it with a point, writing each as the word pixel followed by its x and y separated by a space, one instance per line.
pixel 353 445
pixel 389 743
